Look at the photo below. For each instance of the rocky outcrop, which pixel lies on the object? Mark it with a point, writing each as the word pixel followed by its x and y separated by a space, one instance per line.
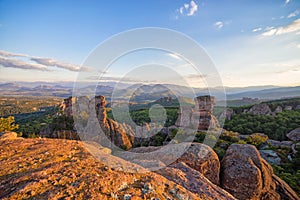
pixel 270 156
pixel 283 189
pixel 294 135
pixel 288 108
pixel 278 109
pixel 184 116
pixel 199 157
pixel 260 109
pixel 279 144
pixel 48 169
pixel 83 108
pixel 66 106
pixel 245 175
pixel 201 118
pixel 228 113
pixel 8 135
pixel 203 159
pixel 194 181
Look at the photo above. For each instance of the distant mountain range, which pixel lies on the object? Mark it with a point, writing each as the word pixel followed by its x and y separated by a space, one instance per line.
pixel 143 93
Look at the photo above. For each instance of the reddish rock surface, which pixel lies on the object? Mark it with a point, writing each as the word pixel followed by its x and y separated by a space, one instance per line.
pixel 194 181
pixel 63 169
pixel 197 156
pixel 245 175
pixel 201 118
pixel 119 134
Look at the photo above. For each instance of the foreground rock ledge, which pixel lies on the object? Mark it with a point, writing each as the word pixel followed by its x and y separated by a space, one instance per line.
pixel 63 169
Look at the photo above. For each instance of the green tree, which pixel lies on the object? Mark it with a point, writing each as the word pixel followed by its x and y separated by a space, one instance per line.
pixel 8 124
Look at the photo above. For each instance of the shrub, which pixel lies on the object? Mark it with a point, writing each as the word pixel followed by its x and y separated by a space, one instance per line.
pixel 8 124
pixel 256 139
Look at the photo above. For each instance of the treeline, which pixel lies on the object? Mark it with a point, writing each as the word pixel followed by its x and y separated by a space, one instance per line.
pixel 276 127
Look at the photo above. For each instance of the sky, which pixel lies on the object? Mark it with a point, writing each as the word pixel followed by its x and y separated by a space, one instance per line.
pixel 251 42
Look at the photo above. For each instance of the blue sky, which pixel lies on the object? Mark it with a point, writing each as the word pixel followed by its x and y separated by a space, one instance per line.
pixel 251 42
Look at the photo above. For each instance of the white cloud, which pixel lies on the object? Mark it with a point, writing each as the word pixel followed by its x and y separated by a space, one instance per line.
pixel 292 27
pixel 40 63
pixel 20 64
pixel 257 29
pixel 188 9
pixel 193 8
pixel 181 10
pixel 287 1
pixel 298 46
pixel 54 63
pixel 219 25
pixel 270 32
pixel 293 14
pixel 9 54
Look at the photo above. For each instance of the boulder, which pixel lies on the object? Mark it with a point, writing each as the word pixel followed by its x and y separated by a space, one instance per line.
pixel 294 135
pixel 260 109
pixel 245 175
pixel 8 135
pixel 278 109
pixel 270 156
pixel 197 156
pixel 280 144
pixel 288 108
pixel 194 181
pixel 227 113
pixel 204 160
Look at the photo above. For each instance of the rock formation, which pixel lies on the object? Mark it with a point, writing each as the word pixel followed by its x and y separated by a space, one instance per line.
pixel 201 118
pixel 203 159
pixel 270 156
pixel 260 109
pixel 194 181
pixel 184 116
pixel 228 113
pixel 245 175
pixel 278 109
pixel 119 134
pixel 279 144
pixel 66 106
pixel 294 135
pixel 288 108
pixel 197 156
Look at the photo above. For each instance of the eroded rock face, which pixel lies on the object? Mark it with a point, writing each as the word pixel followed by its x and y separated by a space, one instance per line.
pixel 119 134
pixel 260 109
pixel 201 118
pixel 294 135
pixel 228 113
pixel 246 175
